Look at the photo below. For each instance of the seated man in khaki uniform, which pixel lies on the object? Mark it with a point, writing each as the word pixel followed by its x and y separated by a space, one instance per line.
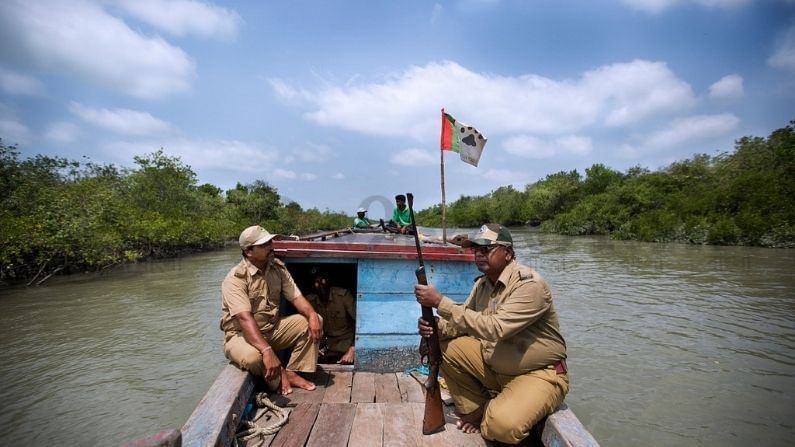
pixel 503 355
pixel 338 308
pixel 253 328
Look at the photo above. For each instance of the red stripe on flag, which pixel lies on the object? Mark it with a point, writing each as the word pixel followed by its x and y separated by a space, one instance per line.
pixel 447 132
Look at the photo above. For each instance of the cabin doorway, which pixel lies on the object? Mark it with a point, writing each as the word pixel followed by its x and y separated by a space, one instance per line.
pixel 341 275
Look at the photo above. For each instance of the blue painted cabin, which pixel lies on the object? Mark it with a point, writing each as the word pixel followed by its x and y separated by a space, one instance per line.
pixel 379 269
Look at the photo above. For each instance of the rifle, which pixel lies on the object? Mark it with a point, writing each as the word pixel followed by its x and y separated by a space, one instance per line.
pixel 433 420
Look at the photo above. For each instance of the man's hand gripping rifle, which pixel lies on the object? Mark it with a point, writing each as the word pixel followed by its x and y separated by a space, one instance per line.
pixel 433 420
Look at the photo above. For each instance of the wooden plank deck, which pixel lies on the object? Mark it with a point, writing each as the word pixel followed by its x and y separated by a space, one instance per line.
pixel 348 408
pixel 351 409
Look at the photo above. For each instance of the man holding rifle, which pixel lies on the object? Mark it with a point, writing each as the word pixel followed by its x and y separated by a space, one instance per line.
pixel 503 355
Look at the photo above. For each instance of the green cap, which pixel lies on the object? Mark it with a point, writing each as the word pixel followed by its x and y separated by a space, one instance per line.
pixel 490 234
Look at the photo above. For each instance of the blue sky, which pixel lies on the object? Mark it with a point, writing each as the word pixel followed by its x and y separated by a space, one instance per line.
pixel 333 103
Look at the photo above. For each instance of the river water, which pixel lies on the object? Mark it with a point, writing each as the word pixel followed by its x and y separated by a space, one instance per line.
pixel 668 344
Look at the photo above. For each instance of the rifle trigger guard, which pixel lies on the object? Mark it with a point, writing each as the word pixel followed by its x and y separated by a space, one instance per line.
pixel 425 351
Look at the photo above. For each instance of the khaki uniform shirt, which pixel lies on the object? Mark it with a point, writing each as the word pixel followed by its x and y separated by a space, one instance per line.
pixel 248 289
pixel 339 313
pixel 514 319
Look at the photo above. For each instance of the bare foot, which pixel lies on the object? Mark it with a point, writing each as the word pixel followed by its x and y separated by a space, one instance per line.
pixel 296 380
pixel 285 383
pixel 466 427
pixel 470 423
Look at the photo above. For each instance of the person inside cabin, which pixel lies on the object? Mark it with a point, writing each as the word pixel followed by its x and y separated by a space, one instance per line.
pixel 401 218
pixel 253 329
pixel 361 221
pixel 503 355
pixel 337 306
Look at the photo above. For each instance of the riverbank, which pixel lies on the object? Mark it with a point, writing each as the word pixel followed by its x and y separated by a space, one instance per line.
pixel 60 216
pixel 155 253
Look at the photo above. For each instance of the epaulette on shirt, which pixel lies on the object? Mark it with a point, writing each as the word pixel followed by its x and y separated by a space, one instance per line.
pixel 243 267
pixel 240 270
pixel 525 273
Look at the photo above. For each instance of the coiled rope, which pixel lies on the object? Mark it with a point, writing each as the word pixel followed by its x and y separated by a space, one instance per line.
pixel 251 430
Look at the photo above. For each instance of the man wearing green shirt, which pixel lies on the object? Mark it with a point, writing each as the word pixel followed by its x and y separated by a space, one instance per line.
pixel 361 221
pixel 401 218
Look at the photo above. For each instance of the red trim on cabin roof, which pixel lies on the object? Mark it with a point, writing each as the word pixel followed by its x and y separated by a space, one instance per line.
pixel 290 248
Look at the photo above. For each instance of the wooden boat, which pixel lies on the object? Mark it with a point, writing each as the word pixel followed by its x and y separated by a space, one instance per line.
pixel 378 268
pixel 371 403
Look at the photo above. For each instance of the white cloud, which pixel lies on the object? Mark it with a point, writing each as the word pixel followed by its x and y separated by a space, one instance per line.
pixel 657 6
pixel 680 131
pixel 620 94
pixel 784 55
pixel 221 155
pixel 13 132
pixel 727 87
pixel 723 4
pixel 287 92
pixel 230 155
pixel 412 157
pixel 183 17
pixel 504 176
pixel 692 128
pixel 121 121
pixel 313 153
pixel 63 132
pixel 652 6
pixel 574 144
pixel 628 92
pixel 80 39
pixel 437 11
pixel 18 84
pixel 528 146
pixel 284 174
pixel 338 176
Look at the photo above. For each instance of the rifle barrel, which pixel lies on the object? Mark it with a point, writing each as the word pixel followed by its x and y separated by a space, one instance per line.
pixel 433 420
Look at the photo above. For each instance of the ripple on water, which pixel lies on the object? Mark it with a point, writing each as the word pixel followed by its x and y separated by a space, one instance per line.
pixel 668 344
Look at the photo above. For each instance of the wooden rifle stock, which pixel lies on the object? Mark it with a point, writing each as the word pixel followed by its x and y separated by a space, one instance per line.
pixel 433 420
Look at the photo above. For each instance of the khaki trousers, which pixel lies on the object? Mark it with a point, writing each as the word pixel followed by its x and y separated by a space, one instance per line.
pixel 289 332
pixel 513 404
pixel 341 343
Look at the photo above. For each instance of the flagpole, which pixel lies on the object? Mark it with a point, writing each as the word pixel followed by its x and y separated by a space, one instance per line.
pixel 441 165
pixel 444 214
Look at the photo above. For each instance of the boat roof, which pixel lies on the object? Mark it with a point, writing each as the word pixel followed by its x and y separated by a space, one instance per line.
pixel 350 243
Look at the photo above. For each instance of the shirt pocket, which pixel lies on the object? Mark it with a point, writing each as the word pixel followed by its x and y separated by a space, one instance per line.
pixel 261 302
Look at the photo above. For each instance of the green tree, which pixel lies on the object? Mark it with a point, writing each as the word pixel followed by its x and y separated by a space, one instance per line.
pixel 598 178
pixel 162 184
pixel 505 206
pixel 554 194
pixel 256 202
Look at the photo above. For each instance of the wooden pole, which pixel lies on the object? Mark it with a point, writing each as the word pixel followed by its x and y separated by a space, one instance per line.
pixel 444 206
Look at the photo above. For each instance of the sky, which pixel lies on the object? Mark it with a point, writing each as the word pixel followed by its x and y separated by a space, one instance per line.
pixel 337 104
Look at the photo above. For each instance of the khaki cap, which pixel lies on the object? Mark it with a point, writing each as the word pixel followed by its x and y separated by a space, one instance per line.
pixel 255 235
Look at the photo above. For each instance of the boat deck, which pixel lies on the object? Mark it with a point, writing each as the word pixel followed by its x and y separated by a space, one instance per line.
pixel 348 408
pixel 354 408
pixel 361 409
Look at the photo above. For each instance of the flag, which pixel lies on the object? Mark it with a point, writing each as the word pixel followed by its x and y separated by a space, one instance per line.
pixel 462 138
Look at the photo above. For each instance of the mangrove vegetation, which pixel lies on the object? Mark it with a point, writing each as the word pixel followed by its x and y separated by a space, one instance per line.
pixel 59 215
pixel 746 197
